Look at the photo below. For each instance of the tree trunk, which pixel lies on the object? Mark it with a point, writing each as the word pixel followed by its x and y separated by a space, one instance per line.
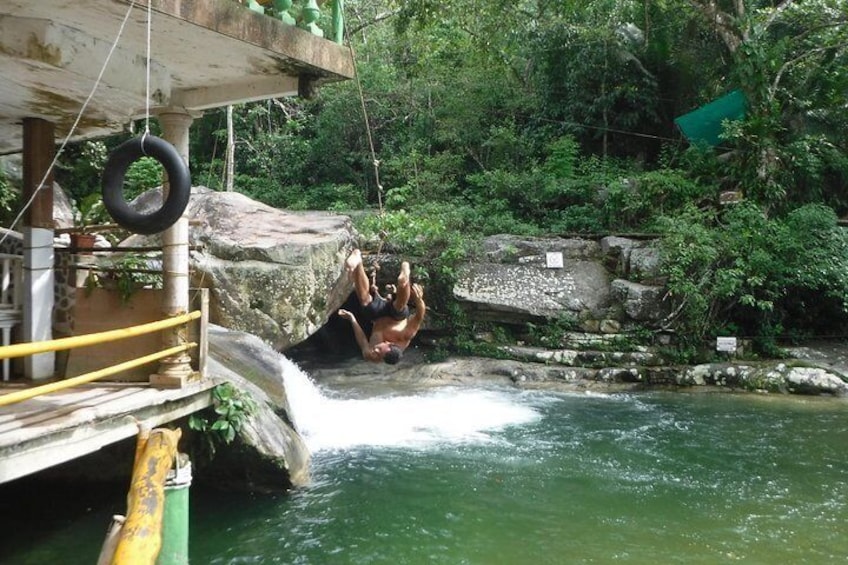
pixel 231 150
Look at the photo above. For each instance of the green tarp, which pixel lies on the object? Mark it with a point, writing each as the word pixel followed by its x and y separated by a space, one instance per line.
pixel 704 124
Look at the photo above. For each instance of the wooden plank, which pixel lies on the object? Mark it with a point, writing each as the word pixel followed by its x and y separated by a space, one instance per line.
pixel 48 411
pixel 102 310
pixel 68 396
pixel 75 441
pixel 23 409
pixel 118 403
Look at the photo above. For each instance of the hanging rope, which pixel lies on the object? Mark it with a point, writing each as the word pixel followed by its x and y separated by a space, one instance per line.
pixel 75 124
pixel 374 160
pixel 375 262
pixel 147 79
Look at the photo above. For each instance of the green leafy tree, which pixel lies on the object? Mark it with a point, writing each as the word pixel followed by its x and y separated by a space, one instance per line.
pixel 740 269
pixel 790 60
pixel 536 117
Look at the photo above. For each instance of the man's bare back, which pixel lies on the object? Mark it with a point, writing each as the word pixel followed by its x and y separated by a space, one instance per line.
pixel 393 331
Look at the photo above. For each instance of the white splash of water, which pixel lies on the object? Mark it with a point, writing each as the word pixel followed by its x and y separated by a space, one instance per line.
pixel 428 418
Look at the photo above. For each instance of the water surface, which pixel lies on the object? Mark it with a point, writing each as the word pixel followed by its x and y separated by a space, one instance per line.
pixel 500 476
pixel 460 475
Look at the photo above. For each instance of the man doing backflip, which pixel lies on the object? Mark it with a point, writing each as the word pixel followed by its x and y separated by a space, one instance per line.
pixel 393 327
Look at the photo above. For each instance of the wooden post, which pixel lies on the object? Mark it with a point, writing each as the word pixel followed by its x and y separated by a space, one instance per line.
pixel 38 156
pixel 38 286
pixel 203 338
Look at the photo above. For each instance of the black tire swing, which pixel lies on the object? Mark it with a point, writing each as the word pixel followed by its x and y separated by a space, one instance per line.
pixel 179 181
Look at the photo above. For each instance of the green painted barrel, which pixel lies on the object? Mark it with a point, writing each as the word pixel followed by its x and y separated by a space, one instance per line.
pixel 175 517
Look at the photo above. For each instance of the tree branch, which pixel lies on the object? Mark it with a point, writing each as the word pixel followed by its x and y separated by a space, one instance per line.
pixel 377 19
pixel 777 11
pixel 801 57
pixel 722 21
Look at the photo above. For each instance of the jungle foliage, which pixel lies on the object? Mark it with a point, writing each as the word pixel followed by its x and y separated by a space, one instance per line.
pixel 537 117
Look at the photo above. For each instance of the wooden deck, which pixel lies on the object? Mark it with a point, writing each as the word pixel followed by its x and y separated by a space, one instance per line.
pixel 58 427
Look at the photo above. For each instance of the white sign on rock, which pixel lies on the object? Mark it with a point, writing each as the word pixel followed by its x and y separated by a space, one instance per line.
pixel 727 344
pixel 554 260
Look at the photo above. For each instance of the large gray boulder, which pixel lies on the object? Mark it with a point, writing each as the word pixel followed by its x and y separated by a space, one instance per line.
pixel 269 454
pixel 276 274
pixel 520 279
pixel 643 303
pixel 524 279
pixel 12 168
pixel 632 259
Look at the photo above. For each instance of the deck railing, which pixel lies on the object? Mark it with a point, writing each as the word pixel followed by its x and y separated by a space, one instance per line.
pixel 62 344
pixel 303 13
pixel 11 303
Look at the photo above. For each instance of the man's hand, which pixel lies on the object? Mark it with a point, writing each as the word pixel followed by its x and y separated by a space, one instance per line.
pixel 418 291
pixel 347 315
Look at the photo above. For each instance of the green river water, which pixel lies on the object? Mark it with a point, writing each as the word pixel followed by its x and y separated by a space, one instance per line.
pixel 500 476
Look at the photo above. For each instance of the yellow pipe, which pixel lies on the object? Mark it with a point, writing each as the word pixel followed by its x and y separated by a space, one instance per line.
pixel 22 349
pixel 141 534
pixel 141 442
pixel 26 394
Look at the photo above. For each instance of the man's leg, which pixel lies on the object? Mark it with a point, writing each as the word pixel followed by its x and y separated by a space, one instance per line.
pixel 403 288
pixel 356 271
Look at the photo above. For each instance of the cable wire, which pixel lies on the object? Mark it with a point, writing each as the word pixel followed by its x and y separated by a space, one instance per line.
pixel 73 127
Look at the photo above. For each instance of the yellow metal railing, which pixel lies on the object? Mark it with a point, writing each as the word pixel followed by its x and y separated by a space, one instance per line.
pixel 24 349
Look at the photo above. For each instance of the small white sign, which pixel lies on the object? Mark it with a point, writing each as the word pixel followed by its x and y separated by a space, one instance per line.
pixel 554 260
pixel 727 344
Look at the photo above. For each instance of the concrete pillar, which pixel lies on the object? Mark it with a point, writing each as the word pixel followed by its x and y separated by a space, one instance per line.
pixel 37 228
pixel 175 371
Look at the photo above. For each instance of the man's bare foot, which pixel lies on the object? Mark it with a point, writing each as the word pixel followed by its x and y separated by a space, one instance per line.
pixel 403 276
pixel 353 261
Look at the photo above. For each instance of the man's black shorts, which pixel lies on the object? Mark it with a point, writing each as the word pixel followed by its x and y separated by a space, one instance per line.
pixel 380 307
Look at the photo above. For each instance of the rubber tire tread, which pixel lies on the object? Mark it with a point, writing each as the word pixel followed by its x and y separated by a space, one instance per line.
pixel 179 181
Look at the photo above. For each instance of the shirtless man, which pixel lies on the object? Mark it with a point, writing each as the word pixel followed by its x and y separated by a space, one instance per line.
pixel 393 327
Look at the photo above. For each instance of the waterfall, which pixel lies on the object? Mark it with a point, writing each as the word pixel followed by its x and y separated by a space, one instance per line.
pixel 417 420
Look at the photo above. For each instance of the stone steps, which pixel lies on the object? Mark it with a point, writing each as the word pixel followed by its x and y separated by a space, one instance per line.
pixel 587 358
pixel 644 366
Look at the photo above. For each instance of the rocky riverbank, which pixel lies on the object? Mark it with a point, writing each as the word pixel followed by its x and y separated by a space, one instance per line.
pixel 814 369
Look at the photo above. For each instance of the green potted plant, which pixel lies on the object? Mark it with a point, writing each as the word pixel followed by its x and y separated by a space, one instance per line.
pixel 89 212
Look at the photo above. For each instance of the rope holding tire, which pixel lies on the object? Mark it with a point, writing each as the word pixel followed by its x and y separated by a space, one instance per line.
pixel 179 180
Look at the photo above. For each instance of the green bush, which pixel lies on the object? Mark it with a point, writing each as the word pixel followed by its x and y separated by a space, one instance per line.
pixel 8 198
pixel 741 269
pixel 142 175
pixel 220 423
pixel 635 202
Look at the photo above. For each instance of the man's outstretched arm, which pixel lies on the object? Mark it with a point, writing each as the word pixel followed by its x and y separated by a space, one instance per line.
pixel 359 334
